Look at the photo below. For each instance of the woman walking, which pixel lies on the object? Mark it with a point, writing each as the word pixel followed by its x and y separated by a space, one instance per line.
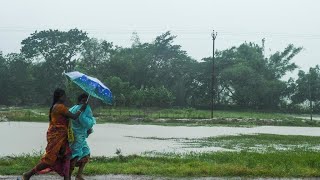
pixel 81 129
pixel 58 153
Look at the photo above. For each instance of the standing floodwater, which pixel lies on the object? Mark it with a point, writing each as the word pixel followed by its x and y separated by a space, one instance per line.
pixel 25 137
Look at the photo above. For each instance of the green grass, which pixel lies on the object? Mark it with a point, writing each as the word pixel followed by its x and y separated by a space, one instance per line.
pixel 297 157
pixel 243 164
pixel 250 142
pixel 170 117
pixel 188 113
pixel 259 142
pixel 25 115
pixel 209 122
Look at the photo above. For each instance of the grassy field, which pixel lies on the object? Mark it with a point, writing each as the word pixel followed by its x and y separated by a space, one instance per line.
pixel 261 143
pixel 251 143
pixel 188 113
pixel 258 155
pixel 169 117
pixel 244 164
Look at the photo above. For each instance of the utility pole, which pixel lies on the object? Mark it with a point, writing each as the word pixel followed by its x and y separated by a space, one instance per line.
pixel 310 97
pixel 214 35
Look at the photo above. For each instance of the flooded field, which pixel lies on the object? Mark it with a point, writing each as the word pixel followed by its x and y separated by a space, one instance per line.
pixel 25 137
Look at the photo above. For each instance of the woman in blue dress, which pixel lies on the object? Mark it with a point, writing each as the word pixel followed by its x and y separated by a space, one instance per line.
pixel 81 130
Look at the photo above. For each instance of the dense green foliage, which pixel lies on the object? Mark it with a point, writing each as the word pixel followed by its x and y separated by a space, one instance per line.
pixel 157 74
pixel 307 87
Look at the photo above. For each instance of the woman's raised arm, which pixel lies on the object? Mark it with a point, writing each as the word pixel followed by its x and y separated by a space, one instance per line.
pixel 77 114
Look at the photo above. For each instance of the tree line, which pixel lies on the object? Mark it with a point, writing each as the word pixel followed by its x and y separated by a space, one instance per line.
pixel 156 74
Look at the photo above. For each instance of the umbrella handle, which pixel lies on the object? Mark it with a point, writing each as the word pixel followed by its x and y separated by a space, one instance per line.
pixel 88 98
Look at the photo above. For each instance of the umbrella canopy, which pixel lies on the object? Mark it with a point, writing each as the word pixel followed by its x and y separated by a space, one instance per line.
pixel 91 85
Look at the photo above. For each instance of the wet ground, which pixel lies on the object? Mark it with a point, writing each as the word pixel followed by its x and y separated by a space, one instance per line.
pixel 22 137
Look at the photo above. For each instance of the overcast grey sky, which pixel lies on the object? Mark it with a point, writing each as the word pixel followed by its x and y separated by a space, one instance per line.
pixel 279 21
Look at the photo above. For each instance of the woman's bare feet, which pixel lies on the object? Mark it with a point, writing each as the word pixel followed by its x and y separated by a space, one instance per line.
pixel 79 177
pixel 66 178
pixel 26 176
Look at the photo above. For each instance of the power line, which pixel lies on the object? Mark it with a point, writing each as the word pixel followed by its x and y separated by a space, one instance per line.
pixel 179 31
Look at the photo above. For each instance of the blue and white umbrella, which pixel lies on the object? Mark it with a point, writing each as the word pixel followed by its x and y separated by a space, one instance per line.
pixel 93 86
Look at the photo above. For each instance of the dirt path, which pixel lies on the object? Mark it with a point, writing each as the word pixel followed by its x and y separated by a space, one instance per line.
pixel 136 177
